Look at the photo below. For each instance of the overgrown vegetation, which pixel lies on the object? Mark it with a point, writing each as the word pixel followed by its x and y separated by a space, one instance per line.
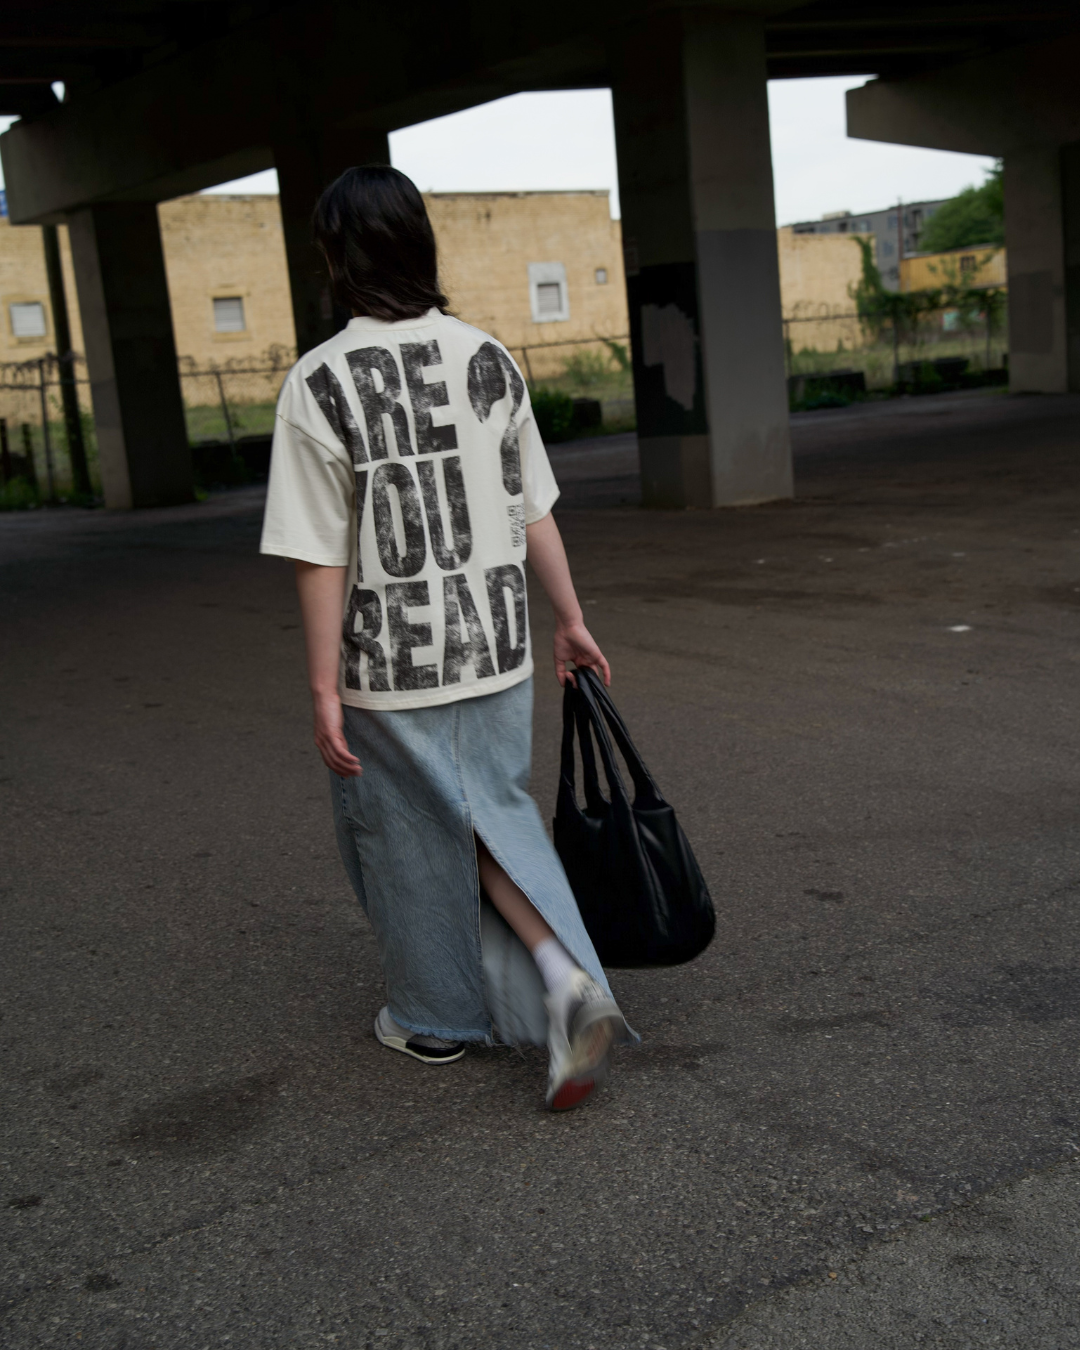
pixel 586 369
pixel 974 216
pixel 604 375
pixel 905 318
pixel 18 495
pixel 29 484
pixel 206 421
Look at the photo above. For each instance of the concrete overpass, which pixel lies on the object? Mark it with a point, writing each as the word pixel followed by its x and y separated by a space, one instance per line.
pixel 164 98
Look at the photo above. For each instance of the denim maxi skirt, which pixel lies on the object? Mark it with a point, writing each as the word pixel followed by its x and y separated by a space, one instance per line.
pixel 432 778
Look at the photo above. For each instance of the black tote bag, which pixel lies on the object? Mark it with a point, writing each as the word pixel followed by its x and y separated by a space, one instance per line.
pixel 641 894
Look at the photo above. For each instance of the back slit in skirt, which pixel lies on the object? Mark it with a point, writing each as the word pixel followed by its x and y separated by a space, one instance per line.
pixel 432 778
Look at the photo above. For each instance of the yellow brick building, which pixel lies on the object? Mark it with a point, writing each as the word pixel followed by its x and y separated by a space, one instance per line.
pixel 539 270
pixel 26 326
pixel 979 267
pixel 817 275
pixel 532 268
pixel 228 282
pixel 542 271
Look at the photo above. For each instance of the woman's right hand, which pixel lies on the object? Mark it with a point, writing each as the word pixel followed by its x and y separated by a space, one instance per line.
pixel 330 737
pixel 574 642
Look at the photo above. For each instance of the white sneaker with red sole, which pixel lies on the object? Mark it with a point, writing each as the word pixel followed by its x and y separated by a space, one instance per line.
pixel 583 1022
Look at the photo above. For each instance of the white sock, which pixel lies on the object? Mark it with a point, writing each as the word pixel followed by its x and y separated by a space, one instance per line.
pixel 555 963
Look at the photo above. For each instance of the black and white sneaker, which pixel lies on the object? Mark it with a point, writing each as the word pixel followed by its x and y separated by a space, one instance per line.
pixel 427 1049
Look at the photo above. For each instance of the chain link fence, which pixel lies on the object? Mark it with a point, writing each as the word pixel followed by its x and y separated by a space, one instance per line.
pixel 229 412
pixel 38 443
pixel 831 356
pixel 580 385
pixel 948 345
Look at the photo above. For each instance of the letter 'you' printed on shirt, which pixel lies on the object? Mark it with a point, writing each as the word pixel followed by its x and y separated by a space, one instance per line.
pixel 395 477
pixel 458 550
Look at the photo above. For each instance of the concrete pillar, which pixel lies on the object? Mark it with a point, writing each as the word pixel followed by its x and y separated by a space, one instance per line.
pixel 1070 200
pixel 1035 241
pixel 306 163
pixel 703 283
pixel 131 354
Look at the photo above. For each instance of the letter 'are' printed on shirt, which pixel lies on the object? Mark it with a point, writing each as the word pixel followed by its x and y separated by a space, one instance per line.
pixel 408 453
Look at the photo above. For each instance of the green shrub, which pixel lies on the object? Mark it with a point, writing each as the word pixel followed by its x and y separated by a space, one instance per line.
pixel 554 413
pixel 18 495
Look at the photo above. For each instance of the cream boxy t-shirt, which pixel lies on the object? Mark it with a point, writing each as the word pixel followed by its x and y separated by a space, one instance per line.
pixel 408 453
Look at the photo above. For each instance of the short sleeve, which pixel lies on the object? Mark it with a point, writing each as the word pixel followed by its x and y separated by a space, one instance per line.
pixel 310 495
pixel 537 480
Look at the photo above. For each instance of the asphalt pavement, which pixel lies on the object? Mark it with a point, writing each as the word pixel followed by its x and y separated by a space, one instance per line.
pixel 850 1122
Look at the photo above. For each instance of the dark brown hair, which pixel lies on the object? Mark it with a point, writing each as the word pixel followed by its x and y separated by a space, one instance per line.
pixel 373 230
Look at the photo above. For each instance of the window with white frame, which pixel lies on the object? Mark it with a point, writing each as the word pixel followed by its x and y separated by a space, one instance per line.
pixel 601 276
pixel 548 297
pixel 27 319
pixel 229 314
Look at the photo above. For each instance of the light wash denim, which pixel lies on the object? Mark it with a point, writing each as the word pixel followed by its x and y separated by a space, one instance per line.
pixel 432 777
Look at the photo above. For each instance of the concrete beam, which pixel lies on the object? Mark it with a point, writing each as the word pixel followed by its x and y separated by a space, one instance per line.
pixel 987 106
pixel 216 111
pixel 1021 105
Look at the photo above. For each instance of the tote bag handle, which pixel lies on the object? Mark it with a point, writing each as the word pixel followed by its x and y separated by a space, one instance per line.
pixel 602 709
pixel 578 714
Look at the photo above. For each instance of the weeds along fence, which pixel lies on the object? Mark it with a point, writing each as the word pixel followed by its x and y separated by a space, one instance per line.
pixel 223 404
pixel 596 368
pixel 227 402
pixel 827 339
pixel 227 406
pixel 944 336
pixel 38 443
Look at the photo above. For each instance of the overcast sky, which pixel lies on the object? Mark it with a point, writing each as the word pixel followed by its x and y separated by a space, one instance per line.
pixel 567 140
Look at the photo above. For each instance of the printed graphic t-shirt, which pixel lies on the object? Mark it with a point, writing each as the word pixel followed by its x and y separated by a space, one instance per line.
pixel 407 452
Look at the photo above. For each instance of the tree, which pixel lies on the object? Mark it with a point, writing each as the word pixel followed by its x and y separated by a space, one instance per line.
pixel 902 315
pixel 974 216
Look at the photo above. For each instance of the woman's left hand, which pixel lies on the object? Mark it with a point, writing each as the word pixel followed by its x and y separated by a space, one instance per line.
pixel 574 642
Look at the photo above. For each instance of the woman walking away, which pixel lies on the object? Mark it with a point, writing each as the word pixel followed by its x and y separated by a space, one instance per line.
pixel 407 482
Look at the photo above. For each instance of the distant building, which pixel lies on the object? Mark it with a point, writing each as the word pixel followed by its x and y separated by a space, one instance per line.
pixel 817 275
pixel 978 267
pixel 894 238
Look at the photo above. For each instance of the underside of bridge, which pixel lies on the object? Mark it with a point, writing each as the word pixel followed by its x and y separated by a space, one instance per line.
pixel 166 97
